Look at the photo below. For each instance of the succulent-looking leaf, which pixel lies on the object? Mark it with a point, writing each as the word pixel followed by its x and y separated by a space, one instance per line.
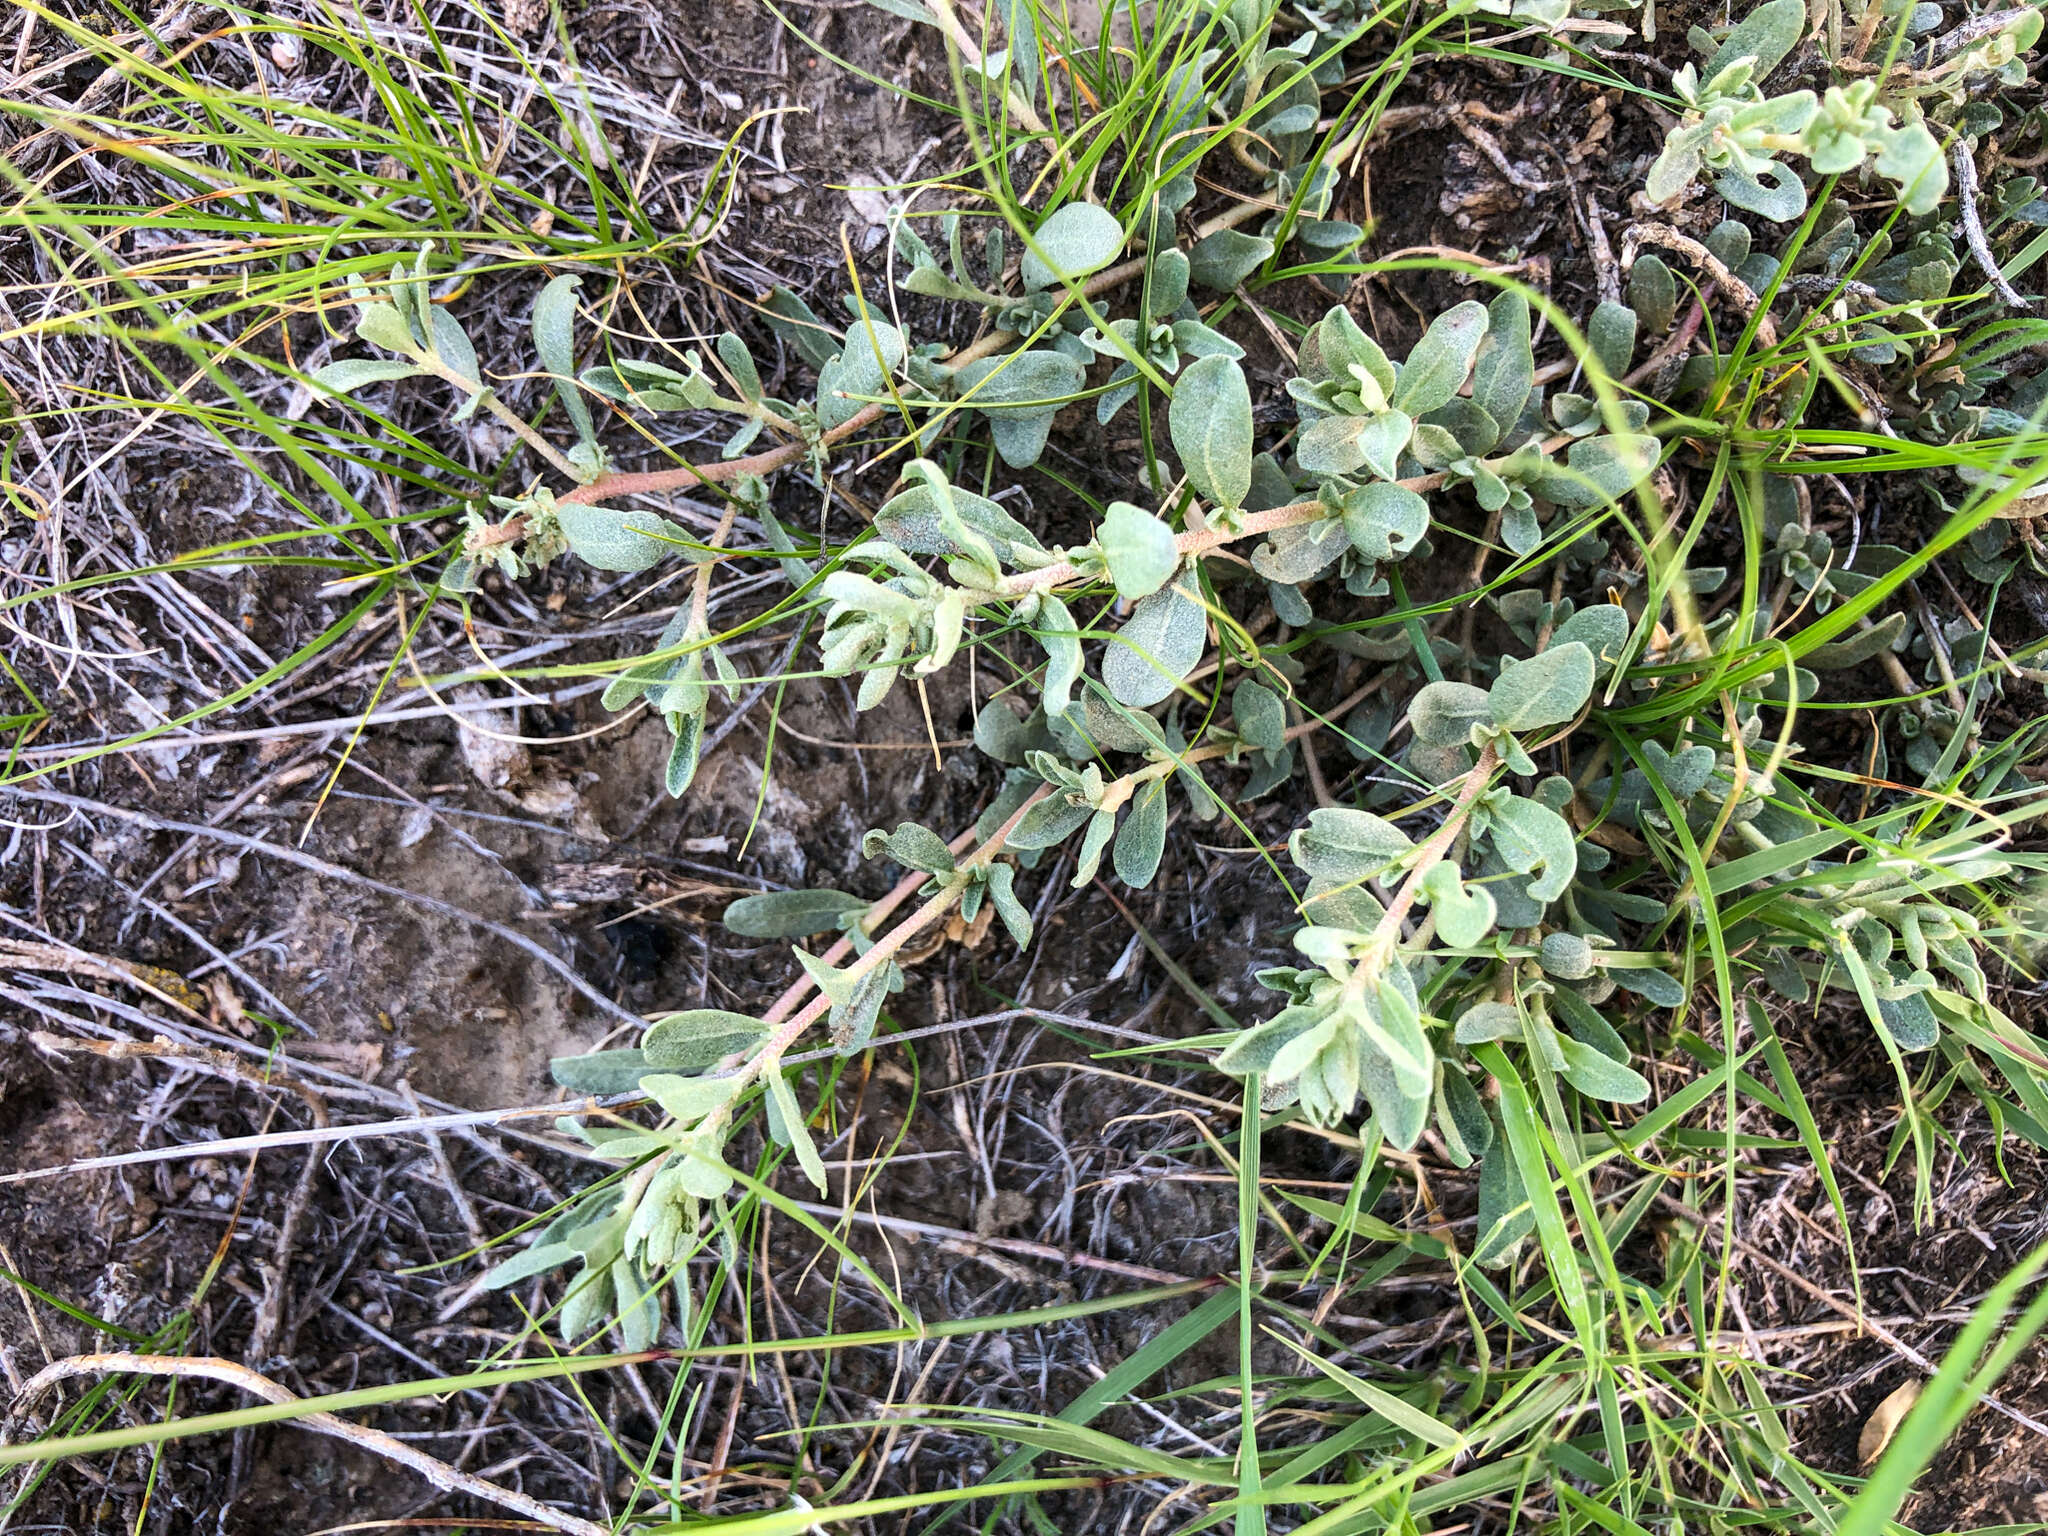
pixel 383 326
pixel 1385 521
pixel 1020 393
pixel 699 1038
pixel 618 538
pixel 1015 916
pixel 1611 333
pixel 683 753
pixel 353 373
pixel 1211 424
pixel 1226 258
pixel 791 914
pixel 798 1134
pixel 1531 837
pixel 1488 1021
pixel 452 345
pixel 1443 714
pixel 1293 555
pixel 537 1260
pixel 796 323
pixel 1505 369
pixel 1602 628
pixel 1343 844
pixel 601 1072
pixel 1138 549
pixel 1545 690
pixel 1062 641
pixel 1598 1076
pixel 1505 1216
pixel 1436 369
pixel 554 340
pixel 689 1099
pixel 1260 717
pixel 1142 838
pixel 1077 239
pixel 913 846
pixel 1766 35
pixel 1653 293
pixel 1158 646
pixel 1660 987
pixel 1461 1117
pixel 1048 823
pixel 1567 955
pixel 1464 913
pixel 999 734
pixel 1256 1048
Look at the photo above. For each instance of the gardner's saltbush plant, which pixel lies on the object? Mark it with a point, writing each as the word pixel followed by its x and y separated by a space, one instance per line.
pixel 1562 825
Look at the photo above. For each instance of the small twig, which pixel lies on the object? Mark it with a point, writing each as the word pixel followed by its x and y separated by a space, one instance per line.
pixel 1965 161
pixel 438 1150
pixel 1937 642
pixel 954 1240
pixel 1638 235
pixel 324 1135
pixel 1489 146
pixel 376 1442
pixel 488 397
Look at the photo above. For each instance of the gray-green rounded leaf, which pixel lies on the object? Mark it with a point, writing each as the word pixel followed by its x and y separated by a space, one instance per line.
pixel 911 521
pixel 1443 714
pixel 1436 369
pixel 618 538
pixel 1157 647
pixel 699 1038
pixel 554 339
pixel 1142 838
pixel 1260 717
pixel 1602 628
pixel 1076 240
pixel 791 914
pixel 1138 549
pixel 1599 1076
pixel 601 1071
pixel 1211 424
pixel 1544 690
pixel 1566 955
pixel 1766 35
pixel 1611 333
pixel 353 373
pixel 1465 914
pixel 1385 521
pixel 1488 1021
pixel 1227 257
pixel 1653 293
pixel 1505 369
pixel 1530 837
pixel 1340 843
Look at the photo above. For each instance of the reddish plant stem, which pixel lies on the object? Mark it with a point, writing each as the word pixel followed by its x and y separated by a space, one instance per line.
pixel 936 907
pixel 684 476
pixel 1432 852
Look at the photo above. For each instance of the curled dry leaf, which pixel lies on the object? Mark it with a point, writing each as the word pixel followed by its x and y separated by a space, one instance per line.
pixel 1884 1422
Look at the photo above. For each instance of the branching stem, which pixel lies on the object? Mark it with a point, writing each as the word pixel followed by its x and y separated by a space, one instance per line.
pixel 1388 933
